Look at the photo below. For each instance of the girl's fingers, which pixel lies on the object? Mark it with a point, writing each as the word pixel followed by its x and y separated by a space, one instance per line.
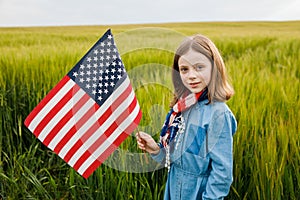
pixel 141 136
pixel 141 143
pixel 145 142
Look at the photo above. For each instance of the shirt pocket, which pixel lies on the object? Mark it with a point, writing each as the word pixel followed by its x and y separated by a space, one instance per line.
pixel 195 140
pixel 195 164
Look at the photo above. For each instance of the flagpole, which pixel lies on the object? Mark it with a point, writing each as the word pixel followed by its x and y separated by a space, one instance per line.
pixel 146 158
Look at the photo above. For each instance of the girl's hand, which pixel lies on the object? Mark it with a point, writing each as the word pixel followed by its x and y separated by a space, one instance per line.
pixel 147 143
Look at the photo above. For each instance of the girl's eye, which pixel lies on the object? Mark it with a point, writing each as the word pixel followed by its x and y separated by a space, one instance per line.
pixel 199 68
pixel 183 69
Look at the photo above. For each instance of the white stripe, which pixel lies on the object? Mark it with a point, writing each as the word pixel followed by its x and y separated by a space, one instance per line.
pixel 102 129
pixel 45 110
pixel 78 115
pixel 109 141
pixel 92 120
pixel 190 100
pixel 60 114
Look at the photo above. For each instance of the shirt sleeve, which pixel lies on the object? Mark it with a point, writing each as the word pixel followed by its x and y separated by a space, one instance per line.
pixel 220 152
pixel 160 157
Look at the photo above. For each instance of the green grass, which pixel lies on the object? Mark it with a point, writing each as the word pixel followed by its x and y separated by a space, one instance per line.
pixel 262 59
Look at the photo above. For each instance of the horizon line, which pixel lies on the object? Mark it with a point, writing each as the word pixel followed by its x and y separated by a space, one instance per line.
pixel 147 23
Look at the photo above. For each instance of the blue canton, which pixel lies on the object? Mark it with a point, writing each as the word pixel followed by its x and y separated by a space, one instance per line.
pixel 101 70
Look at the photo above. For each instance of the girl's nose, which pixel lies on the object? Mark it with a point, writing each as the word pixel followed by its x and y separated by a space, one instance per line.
pixel 192 74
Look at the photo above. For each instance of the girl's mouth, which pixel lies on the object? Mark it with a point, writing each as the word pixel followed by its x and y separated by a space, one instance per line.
pixel 193 85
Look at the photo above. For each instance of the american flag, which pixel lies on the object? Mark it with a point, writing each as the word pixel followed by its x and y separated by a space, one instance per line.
pixel 88 114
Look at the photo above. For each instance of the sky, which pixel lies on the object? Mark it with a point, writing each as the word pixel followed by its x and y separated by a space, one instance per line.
pixel 108 12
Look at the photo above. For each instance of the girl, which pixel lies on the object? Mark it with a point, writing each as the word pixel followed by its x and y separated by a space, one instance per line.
pixel 196 138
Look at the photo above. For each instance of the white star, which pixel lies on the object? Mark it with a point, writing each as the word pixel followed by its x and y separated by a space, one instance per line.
pixel 95 59
pixel 105 91
pixel 94 78
pixel 102 44
pixel 107 71
pixel 94 92
pixel 108 50
pixel 81 66
pixel 100 85
pixel 75 74
pixel 88 72
pixel 102 58
pixel 99 91
pixel 102 51
pixel 81 80
pixel 99 98
pixel 112 77
pixel 87 86
pixel 101 65
pixel 108 44
pixel 114 57
pixel 115 50
pixel 112 84
pixel 107 57
pixel 114 63
pixel 95 72
pixel 109 37
pixel 119 77
pixel 105 84
pixel 81 73
pixel 113 70
pixel 89 66
pixel 89 59
pixel 94 85
pixel 96 51
pixel 106 78
pixel 88 79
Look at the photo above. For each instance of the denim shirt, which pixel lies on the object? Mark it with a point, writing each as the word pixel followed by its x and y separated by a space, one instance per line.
pixel 201 156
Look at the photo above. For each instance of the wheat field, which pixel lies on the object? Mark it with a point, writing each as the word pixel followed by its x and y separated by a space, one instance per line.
pixel 262 59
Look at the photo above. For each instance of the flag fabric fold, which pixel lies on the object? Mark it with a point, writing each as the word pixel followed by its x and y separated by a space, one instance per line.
pixel 88 114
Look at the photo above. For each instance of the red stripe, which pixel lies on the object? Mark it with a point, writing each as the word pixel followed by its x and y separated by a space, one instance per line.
pixel 100 160
pixel 126 112
pixel 95 145
pixel 90 113
pixel 81 160
pixel 99 122
pixel 65 139
pixel 179 106
pixel 103 137
pixel 134 124
pixel 112 147
pixel 44 102
pixel 65 119
pixel 91 169
pixel 107 133
pixel 85 137
pixel 77 145
pixel 107 113
pixel 55 110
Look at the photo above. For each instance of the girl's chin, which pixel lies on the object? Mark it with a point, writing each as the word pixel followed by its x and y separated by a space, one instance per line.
pixel 196 90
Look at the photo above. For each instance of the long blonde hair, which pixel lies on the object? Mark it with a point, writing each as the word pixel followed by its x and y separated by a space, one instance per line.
pixel 219 88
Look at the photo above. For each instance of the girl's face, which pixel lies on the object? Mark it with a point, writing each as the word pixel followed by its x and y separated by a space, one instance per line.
pixel 195 70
